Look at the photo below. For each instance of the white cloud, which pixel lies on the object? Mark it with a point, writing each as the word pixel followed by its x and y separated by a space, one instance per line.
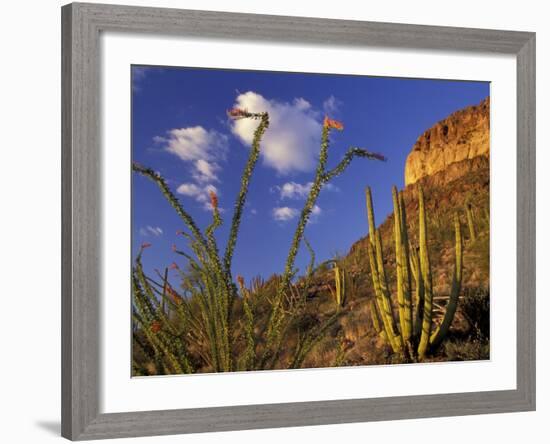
pixel 195 143
pixel 294 190
pixel 200 194
pixel 189 189
pixel 150 231
pixel 283 214
pixel 331 105
pixel 292 141
pixel 203 150
pixel 302 104
pixel 205 171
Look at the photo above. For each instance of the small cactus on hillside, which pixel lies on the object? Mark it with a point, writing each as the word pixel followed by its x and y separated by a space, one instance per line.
pixel 340 282
pixel 470 218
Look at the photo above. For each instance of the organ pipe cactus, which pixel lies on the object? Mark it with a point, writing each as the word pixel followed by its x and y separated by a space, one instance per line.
pixel 426 275
pixel 403 268
pixel 376 320
pixel 414 335
pixel 442 330
pixel 378 273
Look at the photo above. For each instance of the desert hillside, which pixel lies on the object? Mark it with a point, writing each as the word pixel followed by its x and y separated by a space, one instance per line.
pixel 327 316
pixel 451 163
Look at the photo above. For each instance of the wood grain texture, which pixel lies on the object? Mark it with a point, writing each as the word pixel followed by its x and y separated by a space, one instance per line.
pixel 259 27
pixel 81 230
pixel 80 221
pixel 66 225
pixel 526 221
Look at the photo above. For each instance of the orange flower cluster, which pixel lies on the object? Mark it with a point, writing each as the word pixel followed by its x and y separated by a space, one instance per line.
pixel 213 200
pixel 240 281
pixel 176 298
pixel 156 326
pixel 145 245
pixel 174 266
pixel 334 124
pixel 237 113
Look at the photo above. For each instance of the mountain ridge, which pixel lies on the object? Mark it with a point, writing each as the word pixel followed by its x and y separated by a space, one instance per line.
pixel 463 135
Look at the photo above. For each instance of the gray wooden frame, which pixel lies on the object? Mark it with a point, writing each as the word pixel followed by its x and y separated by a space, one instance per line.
pixel 81 167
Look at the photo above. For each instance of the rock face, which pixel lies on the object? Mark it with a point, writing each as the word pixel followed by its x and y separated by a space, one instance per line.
pixel 461 136
pixel 451 162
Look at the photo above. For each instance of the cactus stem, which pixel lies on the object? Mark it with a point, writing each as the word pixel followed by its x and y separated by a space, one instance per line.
pixel 426 273
pixel 441 331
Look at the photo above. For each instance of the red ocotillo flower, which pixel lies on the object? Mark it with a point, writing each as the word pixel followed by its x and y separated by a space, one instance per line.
pixel 333 124
pixel 156 326
pixel 145 245
pixel 176 298
pixel 179 232
pixel 174 266
pixel 213 200
pixel 240 281
pixel 174 247
pixel 237 113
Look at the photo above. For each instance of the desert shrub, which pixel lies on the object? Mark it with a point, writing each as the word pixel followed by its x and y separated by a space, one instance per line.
pixel 467 350
pixel 475 307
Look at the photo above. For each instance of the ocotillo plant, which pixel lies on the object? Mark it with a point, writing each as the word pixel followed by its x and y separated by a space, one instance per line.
pixel 207 334
pixel 216 291
pixel 250 350
pixel 414 335
pixel 323 175
pixel 160 337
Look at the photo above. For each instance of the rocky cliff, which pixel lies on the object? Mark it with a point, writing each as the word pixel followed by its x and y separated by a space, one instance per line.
pixel 462 136
pixel 451 162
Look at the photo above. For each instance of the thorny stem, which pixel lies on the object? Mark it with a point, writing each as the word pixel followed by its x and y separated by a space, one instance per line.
pixel 218 279
pixel 322 176
pixel 173 200
pixel 245 181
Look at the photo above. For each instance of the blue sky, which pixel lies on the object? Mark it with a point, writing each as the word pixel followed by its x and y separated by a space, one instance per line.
pixel 180 128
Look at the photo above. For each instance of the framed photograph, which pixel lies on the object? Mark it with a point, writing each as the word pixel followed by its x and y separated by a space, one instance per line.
pixel 278 221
